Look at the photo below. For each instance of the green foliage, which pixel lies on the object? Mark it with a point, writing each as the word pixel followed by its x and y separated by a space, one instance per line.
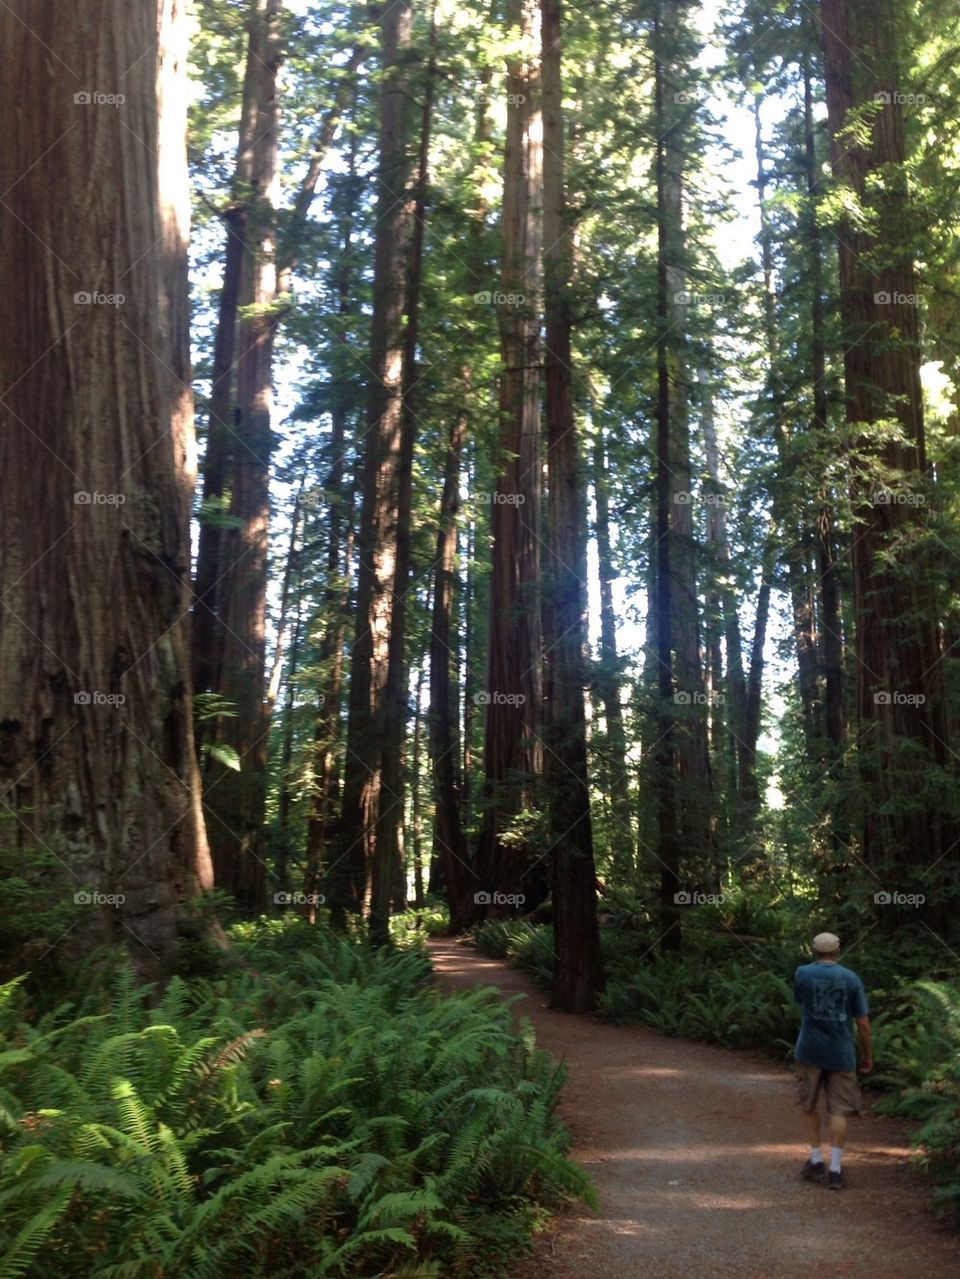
pixel 413 925
pixel 328 1115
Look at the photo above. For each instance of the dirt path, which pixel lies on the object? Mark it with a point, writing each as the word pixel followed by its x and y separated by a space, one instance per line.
pixel 696 1152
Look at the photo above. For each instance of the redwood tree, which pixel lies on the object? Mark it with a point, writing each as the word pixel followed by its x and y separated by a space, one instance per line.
pixel 903 746
pixel 97 451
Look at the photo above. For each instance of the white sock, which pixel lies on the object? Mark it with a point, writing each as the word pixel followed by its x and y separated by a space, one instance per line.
pixel 816 1155
pixel 836 1152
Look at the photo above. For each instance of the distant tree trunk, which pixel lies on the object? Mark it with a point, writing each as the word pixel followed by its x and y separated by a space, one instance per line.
pixel 608 675
pixel 449 839
pixel 237 800
pixel 831 626
pixel 791 522
pixel 97 762
pixel 903 746
pixel 383 474
pixel 578 971
pixel 416 806
pixel 514 694
pixel 732 711
pixel 334 879
pixel 207 635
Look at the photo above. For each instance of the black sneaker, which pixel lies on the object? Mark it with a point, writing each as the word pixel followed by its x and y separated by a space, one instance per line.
pixel 835 1181
pixel 814 1171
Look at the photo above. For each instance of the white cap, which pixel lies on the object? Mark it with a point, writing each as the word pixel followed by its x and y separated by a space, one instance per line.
pixel 826 943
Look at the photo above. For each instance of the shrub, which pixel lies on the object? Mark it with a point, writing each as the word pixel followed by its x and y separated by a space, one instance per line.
pixel 328 1115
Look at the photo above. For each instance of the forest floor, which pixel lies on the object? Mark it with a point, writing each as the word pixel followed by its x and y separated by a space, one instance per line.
pixel 696 1154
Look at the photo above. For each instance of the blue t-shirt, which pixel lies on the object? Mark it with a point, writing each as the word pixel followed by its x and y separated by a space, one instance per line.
pixel 831 997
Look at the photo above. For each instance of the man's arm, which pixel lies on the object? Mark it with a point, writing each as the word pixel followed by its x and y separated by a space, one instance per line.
pixel 866 1040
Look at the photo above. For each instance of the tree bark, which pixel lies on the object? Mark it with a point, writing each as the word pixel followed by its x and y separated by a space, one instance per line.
pixel 365 807
pixel 97 763
pixel 236 800
pixel 514 693
pixel 903 747
pixel 608 676
pixel 578 970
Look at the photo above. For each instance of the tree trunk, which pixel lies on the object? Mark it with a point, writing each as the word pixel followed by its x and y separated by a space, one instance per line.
pixel 236 800
pixel 383 473
pixel 578 970
pixel 514 693
pixel 334 879
pixel 388 859
pixel 831 627
pixel 449 838
pixel 97 763
pixel 903 745
pixel 608 676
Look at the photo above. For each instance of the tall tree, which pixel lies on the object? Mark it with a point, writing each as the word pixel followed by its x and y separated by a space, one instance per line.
pixel 236 798
pixel 514 692
pixel 97 757
pixel 384 472
pixel 578 972
pixel 903 744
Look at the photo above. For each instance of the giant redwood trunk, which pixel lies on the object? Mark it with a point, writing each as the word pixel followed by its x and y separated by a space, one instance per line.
pixel 384 473
pixel 514 692
pixel 389 877
pixel 686 812
pixel 578 970
pixel 236 799
pixel 97 765
pixel 903 747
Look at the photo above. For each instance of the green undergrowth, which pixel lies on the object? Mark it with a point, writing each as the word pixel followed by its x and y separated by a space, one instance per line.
pixel 735 990
pixel 317 1109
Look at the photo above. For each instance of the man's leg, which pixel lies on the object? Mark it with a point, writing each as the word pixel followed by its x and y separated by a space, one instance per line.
pixel 838 1135
pixel 813 1120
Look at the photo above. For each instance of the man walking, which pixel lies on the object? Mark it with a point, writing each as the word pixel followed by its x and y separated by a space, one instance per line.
pixel 832 998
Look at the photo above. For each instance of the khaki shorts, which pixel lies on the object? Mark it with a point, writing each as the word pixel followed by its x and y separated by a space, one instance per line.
pixel 840 1087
